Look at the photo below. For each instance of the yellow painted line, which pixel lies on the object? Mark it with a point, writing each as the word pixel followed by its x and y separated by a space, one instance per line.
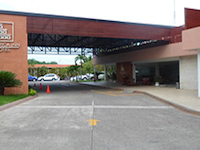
pixel 105 93
pixel 115 93
pixel 128 94
pixel 93 122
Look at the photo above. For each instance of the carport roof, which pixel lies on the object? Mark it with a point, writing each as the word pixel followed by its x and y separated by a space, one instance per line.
pixel 28 14
pixel 105 37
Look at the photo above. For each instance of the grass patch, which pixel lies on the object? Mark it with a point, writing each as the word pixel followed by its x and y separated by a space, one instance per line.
pixel 5 99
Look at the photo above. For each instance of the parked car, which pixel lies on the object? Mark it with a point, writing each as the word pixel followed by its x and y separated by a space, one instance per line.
pixel 49 77
pixel 79 77
pixel 73 79
pixel 101 76
pixel 32 78
pixel 90 75
pixel 82 77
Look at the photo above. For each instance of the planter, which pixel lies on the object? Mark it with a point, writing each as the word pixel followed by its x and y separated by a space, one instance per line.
pixel 157 81
pixel 157 84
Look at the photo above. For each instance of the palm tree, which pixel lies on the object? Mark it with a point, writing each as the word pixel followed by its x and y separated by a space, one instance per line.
pixel 7 79
pixel 82 59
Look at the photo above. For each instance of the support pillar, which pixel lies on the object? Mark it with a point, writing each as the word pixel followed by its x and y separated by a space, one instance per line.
pixel 134 73
pixel 157 70
pixel 105 72
pixel 198 71
pixel 94 74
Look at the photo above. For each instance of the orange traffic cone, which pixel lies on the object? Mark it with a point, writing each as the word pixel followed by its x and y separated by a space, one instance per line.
pixel 40 86
pixel 48 90
pixel 34 85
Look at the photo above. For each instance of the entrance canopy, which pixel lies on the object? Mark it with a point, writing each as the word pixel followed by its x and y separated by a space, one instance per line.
pixel 69 34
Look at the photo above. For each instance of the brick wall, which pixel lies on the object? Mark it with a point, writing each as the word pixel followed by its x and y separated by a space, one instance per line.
pixel 15 59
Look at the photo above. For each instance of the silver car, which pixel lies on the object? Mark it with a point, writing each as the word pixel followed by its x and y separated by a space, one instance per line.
pixel 49 77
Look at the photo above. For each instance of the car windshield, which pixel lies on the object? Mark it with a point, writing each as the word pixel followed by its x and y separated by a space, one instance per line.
pixel 49 75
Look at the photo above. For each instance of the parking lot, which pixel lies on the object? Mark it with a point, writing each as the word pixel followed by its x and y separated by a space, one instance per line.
pixel 74 116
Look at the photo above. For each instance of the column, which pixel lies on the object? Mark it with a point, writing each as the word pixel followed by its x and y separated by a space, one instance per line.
pixel 157 69
pixel 134 73
pixel 105 72
pixel 198 71
pixel 94 74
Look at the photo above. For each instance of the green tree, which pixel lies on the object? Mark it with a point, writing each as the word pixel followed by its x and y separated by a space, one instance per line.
pixel 89 58
pixel 7 79
pixel 81 58
pixel 88 67
pixel 42 71
pixel 63 72
pixel 99 68
pixel 72 70
pixel 33 62
pixel 54 70
pixel 52 62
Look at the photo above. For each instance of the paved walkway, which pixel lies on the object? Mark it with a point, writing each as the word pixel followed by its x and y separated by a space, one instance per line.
pixel 184 99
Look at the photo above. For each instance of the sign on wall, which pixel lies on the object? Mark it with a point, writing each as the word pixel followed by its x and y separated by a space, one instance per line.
pixel 7 41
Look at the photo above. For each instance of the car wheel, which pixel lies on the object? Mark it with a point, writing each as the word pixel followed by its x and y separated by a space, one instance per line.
pixel 53 79
pixel 42 79
pixel 84 78
pixel 34 80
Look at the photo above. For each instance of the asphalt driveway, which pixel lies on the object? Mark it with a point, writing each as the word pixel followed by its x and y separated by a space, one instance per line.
pixel 82 117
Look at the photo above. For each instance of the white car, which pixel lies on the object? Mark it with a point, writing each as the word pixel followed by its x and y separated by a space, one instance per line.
pixel 101 76
pixel 49 77
pixel 83 77
pixel 90 75
pixel 79 77
pixel 73 79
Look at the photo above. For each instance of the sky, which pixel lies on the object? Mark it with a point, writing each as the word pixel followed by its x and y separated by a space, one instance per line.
pixel 160 12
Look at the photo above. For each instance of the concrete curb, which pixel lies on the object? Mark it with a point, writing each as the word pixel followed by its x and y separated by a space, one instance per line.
pixel 12 104
pixel 175 105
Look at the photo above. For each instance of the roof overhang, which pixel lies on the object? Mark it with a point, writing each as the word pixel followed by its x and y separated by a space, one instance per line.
pixel 105 37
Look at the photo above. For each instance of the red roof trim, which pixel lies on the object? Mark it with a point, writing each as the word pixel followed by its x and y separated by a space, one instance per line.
pixel 49 66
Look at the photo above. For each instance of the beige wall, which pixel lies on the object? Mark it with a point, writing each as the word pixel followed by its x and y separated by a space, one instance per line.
pixel 156 53
pixel 191 39
pixel 16 60
pixel 188 72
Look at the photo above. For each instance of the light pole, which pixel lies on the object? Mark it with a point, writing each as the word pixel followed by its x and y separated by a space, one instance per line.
pixel 174 12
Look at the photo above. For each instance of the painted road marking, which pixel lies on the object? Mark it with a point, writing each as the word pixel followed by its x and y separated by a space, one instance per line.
pixel 56 107
pixel 116 93
pixel 99 106
pixel 135 107
pixel 119 92
pixel 93 122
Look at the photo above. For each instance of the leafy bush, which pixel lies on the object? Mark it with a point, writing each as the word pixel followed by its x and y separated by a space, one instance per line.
pixel 32 92
pixel 7 79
